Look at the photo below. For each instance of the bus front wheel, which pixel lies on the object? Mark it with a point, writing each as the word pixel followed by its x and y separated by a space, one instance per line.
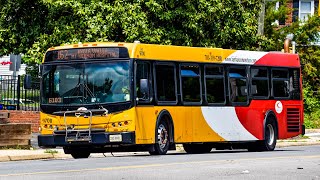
pixel 162 139
pixel 80 154
pixel 77 153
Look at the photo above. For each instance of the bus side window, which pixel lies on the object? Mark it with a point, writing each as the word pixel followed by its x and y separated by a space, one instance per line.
pixel 143 72
pixel 214 83
pixel 238 86
pixel 259 83
pixel 280 83
pixel 165 83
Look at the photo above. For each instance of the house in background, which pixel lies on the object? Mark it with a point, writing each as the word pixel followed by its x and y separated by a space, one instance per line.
pixel 5 68
pixel 301 10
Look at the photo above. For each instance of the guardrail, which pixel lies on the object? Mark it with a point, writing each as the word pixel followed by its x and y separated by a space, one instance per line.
pixel 14 97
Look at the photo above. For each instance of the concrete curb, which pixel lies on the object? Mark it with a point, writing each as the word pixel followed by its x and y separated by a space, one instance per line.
pixel 26 157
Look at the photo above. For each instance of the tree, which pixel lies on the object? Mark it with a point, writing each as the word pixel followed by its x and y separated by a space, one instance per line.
pixel 305 34
pixel 31 27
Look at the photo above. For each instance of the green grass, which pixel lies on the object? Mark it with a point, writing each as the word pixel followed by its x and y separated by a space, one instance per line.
pixel 50 151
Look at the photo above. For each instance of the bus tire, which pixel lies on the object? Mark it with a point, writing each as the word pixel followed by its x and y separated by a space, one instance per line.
pixel 77 153
pixel 80 154
pixel 270 137
pixel 162 144
pixel 197 148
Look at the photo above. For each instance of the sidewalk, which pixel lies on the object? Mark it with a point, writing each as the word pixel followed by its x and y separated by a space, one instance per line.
pixel 312 137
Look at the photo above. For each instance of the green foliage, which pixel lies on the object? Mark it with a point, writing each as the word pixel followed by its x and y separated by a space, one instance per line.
pixel 305 33
pixel 50 151
pixel 274 35
pixel 31 27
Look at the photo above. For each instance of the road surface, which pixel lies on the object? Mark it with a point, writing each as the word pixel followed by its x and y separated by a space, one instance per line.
pixel 297 162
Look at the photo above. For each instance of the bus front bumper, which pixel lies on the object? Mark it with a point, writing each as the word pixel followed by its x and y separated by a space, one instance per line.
pixel 97 139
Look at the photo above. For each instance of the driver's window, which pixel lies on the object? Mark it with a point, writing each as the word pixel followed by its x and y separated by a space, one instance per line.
pixel 143 72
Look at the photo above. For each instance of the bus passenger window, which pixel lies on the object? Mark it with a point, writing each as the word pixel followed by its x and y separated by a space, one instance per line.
pixel 280 83
pixel 259 83
pixel 238 89
pixel 165 82
pixel 190 82
pixel 214 83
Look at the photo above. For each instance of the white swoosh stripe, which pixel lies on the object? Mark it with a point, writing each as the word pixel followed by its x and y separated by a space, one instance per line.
pixel 225 122
pixel 244 57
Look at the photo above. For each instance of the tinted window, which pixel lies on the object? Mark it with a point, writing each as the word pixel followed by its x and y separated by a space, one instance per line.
pixel 238 89
pixel 190 81
pixel 214 80
pixel 259 82
pixel 280 74
pixel 165 82
pixel 280 83
pixel 214 70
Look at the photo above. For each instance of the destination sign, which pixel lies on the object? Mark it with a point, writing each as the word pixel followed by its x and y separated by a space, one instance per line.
pixel 91 53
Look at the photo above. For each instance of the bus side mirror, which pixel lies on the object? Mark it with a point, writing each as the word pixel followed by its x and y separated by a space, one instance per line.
pixel 27 82
pixel 144 88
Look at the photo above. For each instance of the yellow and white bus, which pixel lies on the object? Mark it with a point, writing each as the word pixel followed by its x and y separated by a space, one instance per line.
pixel 102 97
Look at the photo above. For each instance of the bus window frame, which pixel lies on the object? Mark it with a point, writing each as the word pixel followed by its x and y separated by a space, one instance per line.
pixel 279 79
pixel 150 98
pixel 200 83
pixel 223 77
pixel 246 67
pixel 299 80
pixel 260 78
pixel 158 102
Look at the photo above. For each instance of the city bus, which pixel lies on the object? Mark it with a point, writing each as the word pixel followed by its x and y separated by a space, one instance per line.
pixel 116 97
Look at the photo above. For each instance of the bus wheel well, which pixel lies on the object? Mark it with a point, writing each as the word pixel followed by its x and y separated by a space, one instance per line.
pixel 165 116
pixel 270 115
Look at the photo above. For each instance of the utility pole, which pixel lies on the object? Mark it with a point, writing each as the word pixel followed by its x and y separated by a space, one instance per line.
pixel 261 18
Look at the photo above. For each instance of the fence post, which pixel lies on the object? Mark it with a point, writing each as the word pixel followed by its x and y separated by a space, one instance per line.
pixel 18 92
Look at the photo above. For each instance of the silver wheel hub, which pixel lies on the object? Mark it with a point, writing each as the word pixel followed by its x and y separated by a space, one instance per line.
pixel 271 134
pixel 162 136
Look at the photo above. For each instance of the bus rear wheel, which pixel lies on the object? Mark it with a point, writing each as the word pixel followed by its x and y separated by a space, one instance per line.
pixel 162 139
pixel 270 137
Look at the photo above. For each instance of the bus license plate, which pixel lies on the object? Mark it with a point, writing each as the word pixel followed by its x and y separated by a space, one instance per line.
pixel 115 138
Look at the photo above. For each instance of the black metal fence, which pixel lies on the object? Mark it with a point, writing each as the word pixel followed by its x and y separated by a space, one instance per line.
pixel 13 96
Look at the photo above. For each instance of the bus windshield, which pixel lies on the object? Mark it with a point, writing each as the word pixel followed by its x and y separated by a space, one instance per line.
pixel 86 83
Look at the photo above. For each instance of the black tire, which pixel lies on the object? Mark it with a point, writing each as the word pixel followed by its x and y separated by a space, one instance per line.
pixel 270 137
pixel 197 148
pixel 80 154
pixel 162 144
pixel 77 153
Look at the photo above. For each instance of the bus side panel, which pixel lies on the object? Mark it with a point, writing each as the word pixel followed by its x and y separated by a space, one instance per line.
pixel 252 117
pixel 202 132
pixel 189 124
pixel 145 124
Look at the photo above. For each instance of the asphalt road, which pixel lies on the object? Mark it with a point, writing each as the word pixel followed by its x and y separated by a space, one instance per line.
pixel 297 162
